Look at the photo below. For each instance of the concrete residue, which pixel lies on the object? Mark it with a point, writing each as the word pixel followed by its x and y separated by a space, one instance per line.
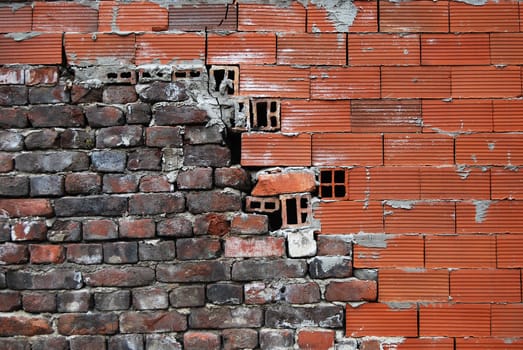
pixel 408 205
pixel 463 171
pixel 377 240
pixel 22 36
pixel 474 2
pixel 481 209
pixel 399 305
pixel 341 12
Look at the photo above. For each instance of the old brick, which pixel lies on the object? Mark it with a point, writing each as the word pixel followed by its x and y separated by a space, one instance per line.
pixel 207 155
pixel 119 94
pixel 316 339
pixel 82 93
pixel 54 342
pixel 276 338
pixel 250 224
pixel 65 231
pixel 162 342
pixel 261 293
pixel 15 343
pixel 156 203
pixel 302 293
pixel 49 94
pixel 13 95
pixel 240 339
pixel 163 136
pixel 137 228
pixel 120 252
pixel 77 139
pixel 3 283
pixel 237 178
pixel 203 134
pixel 102 229
pixel 150 299
pixel 26 207
pixel 29 231
pixel 155 183
pixel 109 161
pixel 301 243
pixel 46 254
pixel 178 226
pixel 226 317
pixel 11 141
pixel 88 342
pixel 201 340
pixel 119 183
pixel 214 224
pixel 42 139
pixel 198 248
pixel 5 231
pixel 333 245
pixel 138 113
pixel 225 293
pixel 21 325
pixel 6 162
pixel 41 76
pixel 14 186
pixel 90 206
pixel 196 178
pixel 74 301
pixel 237 247
pixel 330 267
pixel 201 271
pixel 159 91
pixel 47 186
pixel 213 201
pixel 85 253
pixel 119 136
pixel 83 183
pixel 112 301
pixel 101 116
pixel 279 183
pixel 120 277
pixel 10 301
pixel 187 296
pixel 172 159
pixel 39 302
pixel 126 342
pixel 11 253
pixel 51 162
pixel 52 279
pixel 88 324
pixel 13 118
pixel 352 290
pixel 173 114
pixel 249 270
pixel 145 159
pixel 156 250
pixel 12 75
pixel 152 322
pixel 325 316
pixel 64 116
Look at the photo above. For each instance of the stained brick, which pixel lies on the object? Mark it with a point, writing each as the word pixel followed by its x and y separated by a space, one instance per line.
pixel 46 254
pixel 326 315
pixel 203 271
pixel 201 248
pixel 319 20
pixel 199 17
pixel 120 277
pixel 236 247
pixel 201 340
pixel 157 203
pixel 353 290
pixel 29 231
pixel 13 117
pixel 88 324
pixel 226 317
pixel 489 217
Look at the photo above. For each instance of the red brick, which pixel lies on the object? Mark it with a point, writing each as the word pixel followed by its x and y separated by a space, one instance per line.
pixel 9 76
pixel 46 254
pixel 509 251
pixel 505 115
pixel 414 16
pixel 278 183
pixel 322 116
pixel 334 83
pixel 250 224
pixel 274 81
pixel 471 49
pixel 483 82
pixel 260 149
pixel 455 183
pixel 416 285
pixel 201 340
pixel 338 149
pixel 89 49
pixel 118 183
pixel 302 293
pixel 102 229
pixel 457 116
pixel 488 344
pixel 489 217
pixel 22 325
pixel 382 49
pixel 316 339
pixel 353 290
pixel 41 76
pixel 467 251
pixel 488 286
pixel 62 16
pixel 420 217
pixel 365 217
pixel 16 19
pixel 140 16
pixel 366 19
pixel 375 319
pixel 271 18
pixel 376 183
pixel 137 228
pixel 499 16
pixel 29 231
pixel 44 48
pixel 235 48
pixel 236 247
pixel 489 149
pixel 418 149
pixel 309 49
pixel 398 251
pixel 386 116
pixel 155 183
pixel 10 301
pixel 199 248
pixel 507 320
pixel 455 320
pixel 413 82
pixel 13 253
pixel 87 324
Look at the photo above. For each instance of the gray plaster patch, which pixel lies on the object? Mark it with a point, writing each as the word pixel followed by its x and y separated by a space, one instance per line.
pixel 474 2
pixel 481 210
pixel 22 36
pixel 400 204
pixel 377 240
pixel 341 12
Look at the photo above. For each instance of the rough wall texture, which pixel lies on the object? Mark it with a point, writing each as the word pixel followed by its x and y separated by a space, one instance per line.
pixel 269 175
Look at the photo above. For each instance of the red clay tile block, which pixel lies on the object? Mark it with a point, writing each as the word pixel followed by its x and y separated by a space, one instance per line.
pixel 316 339
pixel 484 82
pixel 418 149
pixel 318 19
pixel 489 149
pixel 457 116
pixel 471 49
pixel 506 184
pixel 422 344
pixel 485 286
pixel 415 82
pixel 345 82
pixel 139 16
pixel 488 344
pixel 507 320
pixel 381 49
pixel 506 115
pixel 454 183
pixel 414 16
pixel 489 217
pixel 235 48
pixel 170 48
pixel 509 250
pixel 310 49
pixel 379 183
pixel 405 251
pixel 339 149
pixel 386 115
pixel 201 17
pixel 420 217
pixel 506 48
pixel 264 149
pixel 62 16
pixel 455 320
pixel 496 16
pixel 374 319
pixel 425 285
pixel 322 116
pixel 31 49
pixel 99 48
pixel 274 81
pixel 272 18
pixel 278 183
pixel 365 217
pixel 16 19
pixel 466 251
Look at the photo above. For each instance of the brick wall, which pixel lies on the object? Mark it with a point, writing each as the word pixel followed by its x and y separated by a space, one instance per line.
pixel 261 175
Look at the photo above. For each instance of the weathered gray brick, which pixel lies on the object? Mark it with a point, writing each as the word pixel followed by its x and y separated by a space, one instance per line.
pixel 109 161
pixel 51 162
pixel 90 206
